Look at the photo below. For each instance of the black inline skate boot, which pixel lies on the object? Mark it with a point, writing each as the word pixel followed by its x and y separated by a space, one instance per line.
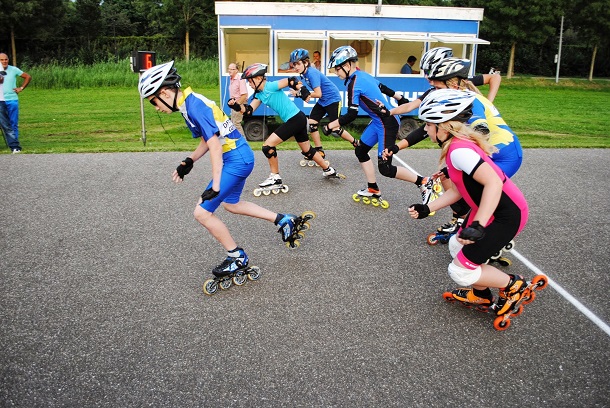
pixel 235 261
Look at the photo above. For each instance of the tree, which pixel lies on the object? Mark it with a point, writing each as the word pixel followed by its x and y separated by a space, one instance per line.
pixel 517 21
pixel 593 24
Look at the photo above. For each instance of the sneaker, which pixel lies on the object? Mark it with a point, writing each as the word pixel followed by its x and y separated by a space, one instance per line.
pixel 427 193
pixel 273 179
pixel 15 151
pixel 329 172
pixel 511 294
pixel 287 224
pixel 232 263
pixel 467 295
pixel 452 226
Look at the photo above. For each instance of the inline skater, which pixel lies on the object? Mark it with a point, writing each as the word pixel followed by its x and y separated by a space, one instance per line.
pixel 498 208
pixel 363 92
pixel 295 122
pixel 319 86
pixel 231 157
pixel 428 60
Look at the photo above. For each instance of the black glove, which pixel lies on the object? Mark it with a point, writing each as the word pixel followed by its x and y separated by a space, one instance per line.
pixel 185 167
pixel 382 110
pixel 208 194
pixel 394 149
pixel 293 82
pixel 236 106
pixel 474 232
pixel 422 210
pixel 445 171
pixel 305 93
pixel 402 101
pixel 326 130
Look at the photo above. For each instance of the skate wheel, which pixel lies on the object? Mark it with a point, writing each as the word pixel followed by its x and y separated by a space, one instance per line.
pixel 225 284
pixel 431 240
pixel 257 192
pixel 432 213
pixel 303 163
pixel 356 198
pixel 293 244
pixel 529 298
pixel 266 192
pixel 375 202
pixel 210 287
pixel 437 188
pixel 254 273
pixel 510 245
pixel 366 200
pixel 385 204
pixel 276 190
pixel 518 311
pixel 448 296
pixel 284 188
pixel 311 163
pixel 496 256
pixel 239 278
pixel 504 261
pixel 501 323
pixel 305 226
pixel 540 281
pixel 308 215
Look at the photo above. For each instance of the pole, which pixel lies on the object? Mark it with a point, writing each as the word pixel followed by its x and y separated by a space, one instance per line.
pixel 559 53
pixel 142 116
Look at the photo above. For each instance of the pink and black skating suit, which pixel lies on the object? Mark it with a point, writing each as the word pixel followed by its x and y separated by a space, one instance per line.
pixel 510 216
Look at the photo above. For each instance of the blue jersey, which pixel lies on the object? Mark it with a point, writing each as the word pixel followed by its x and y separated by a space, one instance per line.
pixel 363 91
pixel 276 99
pixel 314 79
pixel 205 119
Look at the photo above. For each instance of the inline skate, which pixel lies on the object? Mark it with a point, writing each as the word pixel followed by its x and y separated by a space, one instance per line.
pixel 310 163
pixel 233 270
pixel 509 303
pixel 445 232
pixel 370 196
pixel 273 184
pixel 293 228
pixel 331 173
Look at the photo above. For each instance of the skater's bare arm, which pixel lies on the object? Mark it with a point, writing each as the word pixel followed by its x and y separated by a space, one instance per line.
pixel 405 108
pixel 492 191
pixel 317 93
pixel 215 148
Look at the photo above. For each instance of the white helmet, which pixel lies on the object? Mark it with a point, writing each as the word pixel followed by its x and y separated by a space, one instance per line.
pixel 433 56
pixel 156 77
pixel 443 105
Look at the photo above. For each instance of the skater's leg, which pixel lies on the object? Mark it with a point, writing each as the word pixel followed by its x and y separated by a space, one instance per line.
pixel 270 152
pixel 315 133
pixel 405 174
pixel 216 227
pixel 312 154
pixel 251 210
pixel 369 171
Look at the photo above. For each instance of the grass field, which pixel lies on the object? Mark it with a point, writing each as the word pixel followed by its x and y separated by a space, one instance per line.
pixel 107 119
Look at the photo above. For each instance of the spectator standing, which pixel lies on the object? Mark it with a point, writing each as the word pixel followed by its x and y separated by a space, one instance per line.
pixel 239 92
pixel 11 90
pixel 5 123
pixel 317 60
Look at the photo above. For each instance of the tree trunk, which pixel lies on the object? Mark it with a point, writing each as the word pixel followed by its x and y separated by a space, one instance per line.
pixel 592 63
pixel 187 50
pixel 13 47
pixel 511 62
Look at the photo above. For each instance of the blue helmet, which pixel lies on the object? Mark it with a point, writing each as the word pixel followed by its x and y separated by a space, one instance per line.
pixel 342 55
pixel 299 55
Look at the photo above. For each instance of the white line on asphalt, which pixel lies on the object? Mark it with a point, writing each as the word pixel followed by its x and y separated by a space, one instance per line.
pixel 589 314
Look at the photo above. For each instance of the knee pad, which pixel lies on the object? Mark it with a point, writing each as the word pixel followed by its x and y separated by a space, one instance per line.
pixel 362 153
pixel 269 151
pixel 313 127
pixel 454 246
pixel 310 154
pixel 460 207
pixel 386 168
pixel 464 276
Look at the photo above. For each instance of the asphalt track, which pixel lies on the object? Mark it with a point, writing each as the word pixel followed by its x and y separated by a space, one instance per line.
pixel 101 303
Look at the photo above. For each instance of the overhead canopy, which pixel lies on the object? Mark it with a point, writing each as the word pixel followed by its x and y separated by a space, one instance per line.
pixel 345 35
pixel 458 39
pixel 301 35
pixel 418 37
